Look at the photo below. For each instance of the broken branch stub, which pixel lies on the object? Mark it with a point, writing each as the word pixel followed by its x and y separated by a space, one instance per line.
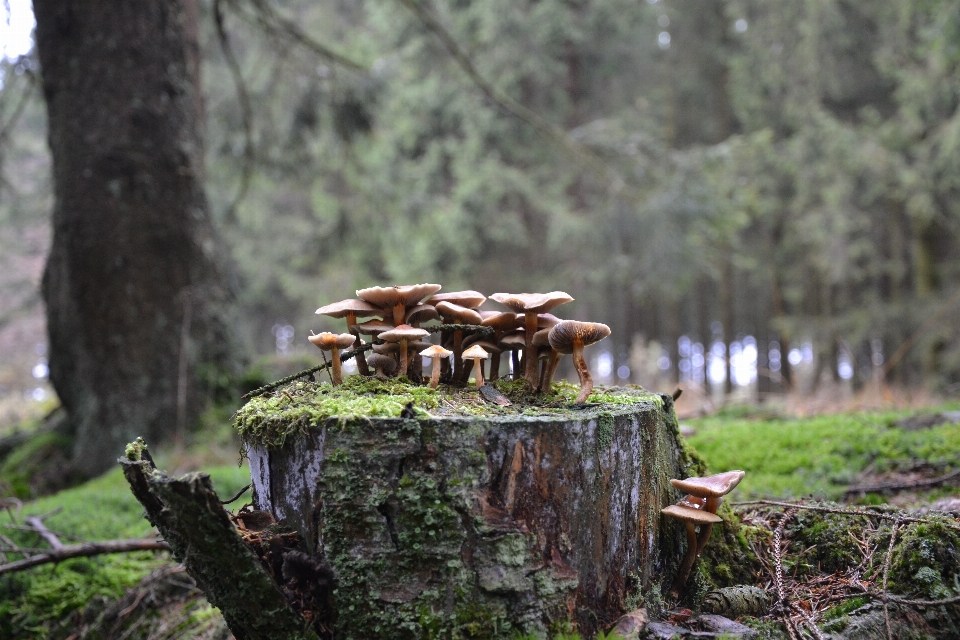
pixel 188 513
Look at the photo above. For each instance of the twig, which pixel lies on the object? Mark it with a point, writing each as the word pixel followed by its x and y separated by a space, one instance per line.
pixel 891 486
pixel 236 497
pixel 846 512
pixel 886 571
pixel 84 550
pixel 37 524
pixel 782 603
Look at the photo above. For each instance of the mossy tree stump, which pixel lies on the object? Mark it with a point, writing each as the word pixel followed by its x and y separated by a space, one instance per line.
pixel 478 526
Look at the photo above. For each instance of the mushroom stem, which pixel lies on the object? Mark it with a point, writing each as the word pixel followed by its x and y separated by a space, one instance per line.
pixel 529 351
pixel 435 372
pixel 335 366
pixel 404 358
pixel 515 359
pixel 549 370
pixel 703 537
pixel 684 571
pixel 478 365
pixel 586 380
pixel 361 360
pixel 457 359
pixel 495 366
pixel 398 312
pixel 712 504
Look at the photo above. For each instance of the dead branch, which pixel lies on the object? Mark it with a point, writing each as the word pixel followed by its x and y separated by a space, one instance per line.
pixel 901 486
pixel 65 552
pixel 844 512
pixel 37 524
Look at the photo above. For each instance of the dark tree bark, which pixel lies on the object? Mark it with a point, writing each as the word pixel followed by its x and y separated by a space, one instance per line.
pixel 133 285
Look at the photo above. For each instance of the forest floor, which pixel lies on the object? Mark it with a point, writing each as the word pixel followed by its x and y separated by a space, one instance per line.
pixel 903 458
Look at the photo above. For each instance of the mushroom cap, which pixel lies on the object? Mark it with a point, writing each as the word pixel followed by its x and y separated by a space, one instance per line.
pixel 474 353
pixel 712 486
pixel 547 321
pixel 403 332
pixel 500 320
pixel 456 313
pixel 328 341
pixel 421 313
pixel 385 348
pixel 383 362
pixel 541 338
pixel 516 340
pixel 479 339
pixel 532 302
pixel 373 326
pixel 389 297
pixel 564 335
pixel 343 308
pixel 436 351
pixel 687 514
pixel 468 299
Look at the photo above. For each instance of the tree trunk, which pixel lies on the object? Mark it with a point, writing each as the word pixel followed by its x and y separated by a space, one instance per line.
pixel 134 259
pixel 493 525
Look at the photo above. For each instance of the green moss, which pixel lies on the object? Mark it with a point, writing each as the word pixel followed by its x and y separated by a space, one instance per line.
pixel 37 466
pixel 605 425
pixel 270 419
pixel 926 559
pixel 845 607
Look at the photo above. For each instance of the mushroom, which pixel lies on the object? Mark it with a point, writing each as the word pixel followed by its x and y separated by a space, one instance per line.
pixel 436 353
pixel 514 342
pixel 420 313
pixel 530 304
pixel 468 299
pixel 351 310
pixel 490 347
pixel 455 314
pixel 394 301
pixel 477 354
pixel 333 342
pixel 403 334
pixel 550 356
pixel 384 364
pixel 501 322
pixel 691 518
pixel 711 490
pixel 571 336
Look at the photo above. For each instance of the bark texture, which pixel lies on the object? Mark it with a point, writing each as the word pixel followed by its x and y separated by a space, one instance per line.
pixel 482 527
pixel 133 285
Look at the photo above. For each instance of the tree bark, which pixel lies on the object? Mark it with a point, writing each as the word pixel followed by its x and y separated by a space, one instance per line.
pixel 134 256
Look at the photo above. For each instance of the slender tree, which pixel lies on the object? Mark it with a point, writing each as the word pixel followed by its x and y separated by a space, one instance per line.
pixel 134 285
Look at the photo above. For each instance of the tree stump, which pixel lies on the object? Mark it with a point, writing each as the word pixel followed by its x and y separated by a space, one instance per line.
pixel 480 526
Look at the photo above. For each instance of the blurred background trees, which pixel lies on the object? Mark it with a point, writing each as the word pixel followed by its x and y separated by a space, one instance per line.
pixel 731 186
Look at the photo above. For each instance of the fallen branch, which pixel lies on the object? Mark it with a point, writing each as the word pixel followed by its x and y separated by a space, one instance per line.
pixel 65 552
pixel 901 486
pixel 845 512
pixel 37 524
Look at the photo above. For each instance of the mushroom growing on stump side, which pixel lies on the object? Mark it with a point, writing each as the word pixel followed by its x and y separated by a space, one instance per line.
pixel 436 353
pixel 691 518
pixel 383 364
pixel 351 310
pixel 333 342
pixel 394 301
pixel 403 334
pixel 477 354
pixel 711 489
pixel 455 314
pixel 530 304
pixel 571 336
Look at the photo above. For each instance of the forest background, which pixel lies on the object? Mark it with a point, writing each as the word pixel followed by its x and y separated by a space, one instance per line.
pixel 769 184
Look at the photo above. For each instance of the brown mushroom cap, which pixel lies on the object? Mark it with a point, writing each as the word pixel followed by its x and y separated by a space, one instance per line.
pixel 468 299
pixel 486 344
pixel 686 514
pixel 457 314
pixel 541 338
pixel 501 320
pixel 547 321
pixel 421 313
pixel 475 352
pixel 436 351
pixel 389 297
pixel 374 326
pixel 564 335
pixel 538 302
pixel 328 341
pixel 514 340
pixel 404 332
pixel 712 486
pixel 342 309
pixel 382 362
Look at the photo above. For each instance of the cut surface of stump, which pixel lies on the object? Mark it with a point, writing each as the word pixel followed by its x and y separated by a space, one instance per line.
pixel 473 525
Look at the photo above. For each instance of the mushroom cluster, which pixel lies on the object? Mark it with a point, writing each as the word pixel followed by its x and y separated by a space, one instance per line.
pixel 534 338
pixel 698 509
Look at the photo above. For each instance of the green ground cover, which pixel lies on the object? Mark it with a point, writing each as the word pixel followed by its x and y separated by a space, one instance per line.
pixel 819 456
pixel 34 603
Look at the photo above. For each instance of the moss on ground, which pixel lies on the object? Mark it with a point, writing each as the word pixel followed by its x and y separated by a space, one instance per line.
pixel 295 408
pixel 46 601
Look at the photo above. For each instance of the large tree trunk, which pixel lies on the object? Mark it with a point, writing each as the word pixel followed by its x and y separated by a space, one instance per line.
pixel 133 286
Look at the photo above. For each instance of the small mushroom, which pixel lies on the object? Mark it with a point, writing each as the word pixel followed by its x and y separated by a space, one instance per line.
pixel 383 364
pixel 436 353
pixel 571 336
pixel 531 304
pixel 691 518
pixel 351 310
pixel 333 342
pixel 477 354
pixel 710 488
pixel 455 314
pixel 403 334
pixel 491 348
